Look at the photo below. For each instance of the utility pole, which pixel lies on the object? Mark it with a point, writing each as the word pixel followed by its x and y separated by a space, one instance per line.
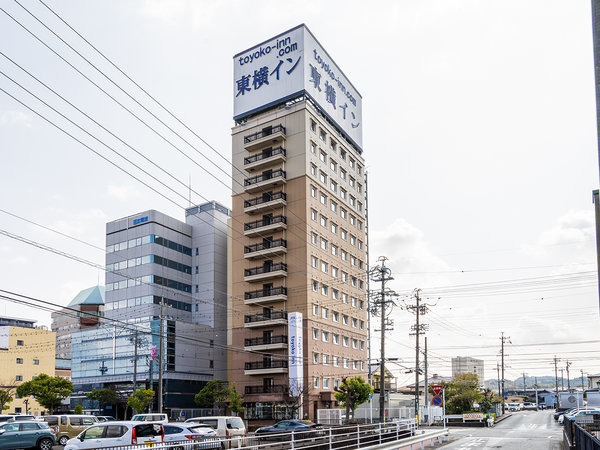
pixel 524 386
pixel 582 386
pixel 536 394
pixel 503 339
pixel 135 343
pixel 417 330
pixel 498 379
pixel 562 380
pixel 160 357
pixel 568 377
pixel 426 385
pixel 381 274
pixel 556 377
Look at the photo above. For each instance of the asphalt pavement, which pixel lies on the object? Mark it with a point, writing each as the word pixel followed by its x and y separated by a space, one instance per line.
pixel 533 430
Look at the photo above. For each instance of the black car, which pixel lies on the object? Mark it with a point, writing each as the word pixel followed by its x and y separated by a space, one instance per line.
pixel 283 430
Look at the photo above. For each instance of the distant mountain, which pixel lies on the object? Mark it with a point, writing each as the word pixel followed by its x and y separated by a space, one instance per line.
pixel 545 382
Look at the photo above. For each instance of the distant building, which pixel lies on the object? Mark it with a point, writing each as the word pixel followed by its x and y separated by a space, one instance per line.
pixel 390 379
pixel 25 352
pixel 466 364
pixel 81 313
pixel 159 267
pixel 593 381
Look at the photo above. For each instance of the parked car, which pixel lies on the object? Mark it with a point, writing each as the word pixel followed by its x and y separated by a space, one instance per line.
pixel 578 412
pixel 529 406
pixel 162 418
pixel 228 427
pixel 105 418
pixel 304 429
pixel 25 417
pixel 203 435
pixel 26 434
pixel 6 418
pixel 118 434
pixel 67 426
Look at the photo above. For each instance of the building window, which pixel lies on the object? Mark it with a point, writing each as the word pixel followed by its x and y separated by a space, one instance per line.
pixel 332 144
pixel 19 360
pixel 36 362
pixel 324 267
pixel 353 239
pixel 322 135
pixel 361 304
pixel 315 334
pixel 324 244
pixel 197 251
pixel 344 255
pixel 315 309
pixel 335 293
pixel 197 270
pixel 313 191
pixel 197 289
pixel 345 320
pixel 336 339
pixel 354 281
pixel 332 165
pixel 351 161
pixel 313 126
pixel 354 301
pixel 323 178
pixel 345 298
pixel 334 249
pixel 313 214
pixel 362 324
pixel 360 225
pixel 19 378
pixel 343 193
pixel 325 337
pixel 324 289
pixel 313 147
pixel 346 363
pixel 343 174
pixel 325 314
pixel 325 382
pixel 313 170
pixel 355 365
pixel 362 345
pixel 334 228
pixel 20 343
pixel 211 364
pixel 323 156
pixel 314 238
pixel 344 277
pixel 323 199
pixel 352 182
pixel 315 261
pixel 336 361
pixel 315 286
pixel 336 383
pixel 345 341
pixel 354 323
pixel 315 358
pixel 333 206
pixel 343 213
pixel 316 382
pixel 334 272
pixel 324 221
pixel 333 186
pixel 343 154
pixel 352 220
pixel 335 316
pixel 354 343
pixel 197 308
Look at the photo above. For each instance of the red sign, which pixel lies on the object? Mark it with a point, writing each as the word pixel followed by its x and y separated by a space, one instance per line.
pixel 436 388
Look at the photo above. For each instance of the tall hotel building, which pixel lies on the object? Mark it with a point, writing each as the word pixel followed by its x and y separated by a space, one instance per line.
pixel 298 254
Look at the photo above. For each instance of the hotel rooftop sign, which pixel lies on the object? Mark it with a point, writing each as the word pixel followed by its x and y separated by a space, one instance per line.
pixel 289 65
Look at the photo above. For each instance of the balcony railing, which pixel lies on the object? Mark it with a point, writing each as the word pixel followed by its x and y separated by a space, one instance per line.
pixel 264 155
pixel 265 245
pixel 265 269
pixel 264 177
pixel 259 365
pixel 249 342
pixel 264 133
pixel 264 199
pixel 281 290
pixel 265 222
pixel 274 389
pixel 273 315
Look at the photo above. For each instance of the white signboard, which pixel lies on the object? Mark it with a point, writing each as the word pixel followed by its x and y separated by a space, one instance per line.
pixel 288 65
pixel 295 353
pixel 4 338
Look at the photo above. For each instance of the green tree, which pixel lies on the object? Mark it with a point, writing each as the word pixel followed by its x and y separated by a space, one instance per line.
pixel 48 391
pixel 140 400
pixel 215 393
pixel 351 393
pixel 78 409
pixel 488 400
pixel 461 393
pixel 5 399
pixel 104 396
pixel 235 400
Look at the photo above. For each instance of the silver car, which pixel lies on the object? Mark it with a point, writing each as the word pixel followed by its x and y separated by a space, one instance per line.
pixel 181 433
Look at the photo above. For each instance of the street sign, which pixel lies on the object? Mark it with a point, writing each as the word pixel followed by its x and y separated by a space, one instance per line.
pixel 436 388
pixel 437 401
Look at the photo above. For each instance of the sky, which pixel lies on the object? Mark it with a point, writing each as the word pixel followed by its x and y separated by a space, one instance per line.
pixel 479 139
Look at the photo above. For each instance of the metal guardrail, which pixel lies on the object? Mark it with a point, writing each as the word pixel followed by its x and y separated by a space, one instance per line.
pixel 273 315
pixel 265 199
pixel 263 133
pixel 576 437
pixel 265 245
pixel 264 155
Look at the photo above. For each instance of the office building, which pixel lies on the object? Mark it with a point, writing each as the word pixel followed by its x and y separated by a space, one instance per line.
pixel 298 243
pixel 466 364
pixel 25 352
pixel 81 313
pixel 160 272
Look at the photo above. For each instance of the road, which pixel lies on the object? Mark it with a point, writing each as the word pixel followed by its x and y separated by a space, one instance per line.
pixel 533 430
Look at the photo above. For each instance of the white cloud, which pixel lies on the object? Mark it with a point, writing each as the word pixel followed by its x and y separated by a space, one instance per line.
pixel 13 117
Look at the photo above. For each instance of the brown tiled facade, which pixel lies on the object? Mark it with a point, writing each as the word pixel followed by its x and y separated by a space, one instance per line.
pixel 298 245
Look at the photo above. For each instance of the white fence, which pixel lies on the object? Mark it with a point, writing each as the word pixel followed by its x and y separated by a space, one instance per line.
pixel 433 414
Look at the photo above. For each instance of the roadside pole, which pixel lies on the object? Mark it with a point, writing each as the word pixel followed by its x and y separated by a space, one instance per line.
pixel 444 405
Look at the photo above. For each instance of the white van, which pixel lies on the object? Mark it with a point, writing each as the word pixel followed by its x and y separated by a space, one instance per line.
pixel 228 427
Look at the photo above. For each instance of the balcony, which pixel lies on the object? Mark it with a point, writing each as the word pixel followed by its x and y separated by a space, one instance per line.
pixel 266 320
pixel 265 248
pixel 276 294
pixel 268 272
pixel 269 135
pixel 265 202
pixel 267 224
pixel 267 157
pixel 260 389
pixel 265 180
pixel 266 343
pixel 265 367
